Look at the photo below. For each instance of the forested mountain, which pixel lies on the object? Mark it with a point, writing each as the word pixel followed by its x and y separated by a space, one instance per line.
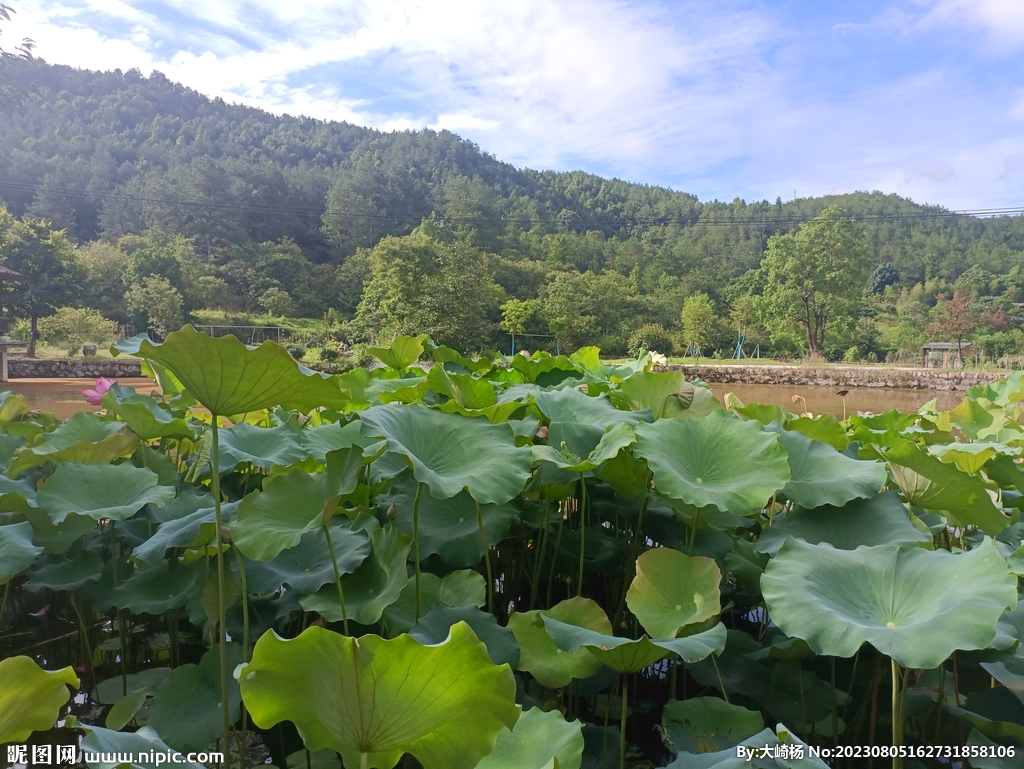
pixel 300 207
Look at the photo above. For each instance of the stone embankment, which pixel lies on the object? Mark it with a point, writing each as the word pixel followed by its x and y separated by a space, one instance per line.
pixel 837 376
pixel 39 368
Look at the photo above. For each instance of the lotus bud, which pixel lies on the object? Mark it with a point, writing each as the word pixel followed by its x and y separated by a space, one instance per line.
pixel 543 432
pixel 225 535
pixel 392 512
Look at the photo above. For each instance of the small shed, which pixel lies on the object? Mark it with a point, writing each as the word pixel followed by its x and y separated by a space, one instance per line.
pixel 944 354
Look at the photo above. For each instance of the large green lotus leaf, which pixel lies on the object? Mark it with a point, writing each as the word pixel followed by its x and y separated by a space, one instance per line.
pixel 914 605
pixel 573 448
pixel 704 403
pixel 264 447
pixel 31 698
pixel 160 589
pixel 308 566
pixel 403 351
pixel 435 625
pixel 672 590
pixel 880 520
pixel 799 696
pixel 83 438
pixel 931 484
pixel 759 412
pixel 695 461
pixel 707 725
pixel 99 743
pixel 373 700
pixel 276 518
pixel 449 527
pixel 540 656
pixel 449 452
pixel 665 393
pixel 820 475
pixel 571 405
pixel 16 496
pixel 626 474
pixel 537 738
pixel 443 354
pixel 57 538
pixel 463 588
pixel 186 532
pixel 101 491
pixel 146 681
pixel 145 415
pixel 12 405
pixel 320 440
pixel 627 655
pixel 58 574
pixel 16 549
pixel 751 746
pixel 971 457
pixel 186 708
pixel 466 390
pixel 373 586
pixel 824 428
pixel 406 389
pixel 229 378
pixel 545 369
pixel 977 418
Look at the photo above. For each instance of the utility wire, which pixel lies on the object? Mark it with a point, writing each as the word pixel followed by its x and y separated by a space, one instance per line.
pixel 511 218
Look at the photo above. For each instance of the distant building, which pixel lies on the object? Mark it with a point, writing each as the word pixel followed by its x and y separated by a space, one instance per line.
pixel 943 354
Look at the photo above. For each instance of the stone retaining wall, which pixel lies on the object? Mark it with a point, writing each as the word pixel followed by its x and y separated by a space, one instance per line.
pixel 852 376
pixel 24 368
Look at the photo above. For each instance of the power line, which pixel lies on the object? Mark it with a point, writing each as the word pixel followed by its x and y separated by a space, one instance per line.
pixel 611 220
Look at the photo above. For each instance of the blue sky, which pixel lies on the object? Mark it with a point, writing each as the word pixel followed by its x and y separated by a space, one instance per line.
pixel 724 99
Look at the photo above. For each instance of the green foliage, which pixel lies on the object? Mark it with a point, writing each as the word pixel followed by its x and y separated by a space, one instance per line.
pixel 650 337
pixel 30 697
pixel 157 300
pixel 77 326
pixel 698 322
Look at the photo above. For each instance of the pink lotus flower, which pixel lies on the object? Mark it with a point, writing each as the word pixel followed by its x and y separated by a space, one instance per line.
pixel 95 397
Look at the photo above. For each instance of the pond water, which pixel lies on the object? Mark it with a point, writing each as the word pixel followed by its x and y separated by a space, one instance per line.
pixel 64 396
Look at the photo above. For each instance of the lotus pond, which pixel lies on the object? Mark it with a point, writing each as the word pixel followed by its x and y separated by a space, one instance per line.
pixel 530 562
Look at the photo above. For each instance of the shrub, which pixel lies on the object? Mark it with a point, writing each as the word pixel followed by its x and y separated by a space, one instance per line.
pixel 852 355
pixel 329 354
pixel 74 326
pixel 297 351
pixel 650 337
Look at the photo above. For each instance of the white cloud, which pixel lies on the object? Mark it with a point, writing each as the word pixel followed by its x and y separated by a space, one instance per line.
pixel 1000 21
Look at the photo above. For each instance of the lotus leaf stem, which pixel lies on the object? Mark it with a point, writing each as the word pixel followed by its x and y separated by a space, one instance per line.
pixel 721 684
pixel 337 579
pixel 535 588
pixel 416 543
pixel 245 649
pixel 622 724
pixel 222 609
pixel 554 554
pixel 487 559
pixel 583 530
pixel 897 713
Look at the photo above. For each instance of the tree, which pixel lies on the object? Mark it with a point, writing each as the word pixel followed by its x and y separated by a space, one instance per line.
pixel 51 275
pixel 514 315
pixel 10 95
pixel 956 318
pixel 159 301
pixel 814 275
pixel 277 301
pixel 883 276
pixel 699 320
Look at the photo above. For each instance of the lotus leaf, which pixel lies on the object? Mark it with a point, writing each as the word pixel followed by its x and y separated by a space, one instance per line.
pixel 264 447
pixel 190 531
pixel 672 590
pixel 540 656
pixel 450 453
pixel 101 491
pixel 16 549
pixel 308 566
pixel 467 391
pixel 31 698
pixel 578 451
pixel 880 520
pixel 820 475
pixel 229 378
pixel 186 710
pixel 824 428
pixel 449 527
pixel 124 710
pixel 434 626
pixel 917 606
pixel 536 739
pixel 58 574
pixel 15 496
pixel 758 412
pixel 707 725
pixel 373 586
pixel 443 354
pixel 730 758
pixel 571 405
pixel 544 369
pixel 103 743
pixel 320 440
pixel 156 590
pixel 145 415
pixel 403 351
pixel 665 393
pixel 694 461
pixel 146 681
pixel 83 438
pixel 276 518
pixel 799 696
pixel 627 655
pixel 57 538
pixel 374 700
pixel 459 589
pixel 931 484
pixel 971 457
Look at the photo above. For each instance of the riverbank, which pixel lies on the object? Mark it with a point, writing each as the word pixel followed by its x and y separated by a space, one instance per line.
pixel 837 376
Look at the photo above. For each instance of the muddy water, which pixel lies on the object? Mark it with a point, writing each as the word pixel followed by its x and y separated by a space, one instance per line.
pixel 820 400
pixel 64 396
